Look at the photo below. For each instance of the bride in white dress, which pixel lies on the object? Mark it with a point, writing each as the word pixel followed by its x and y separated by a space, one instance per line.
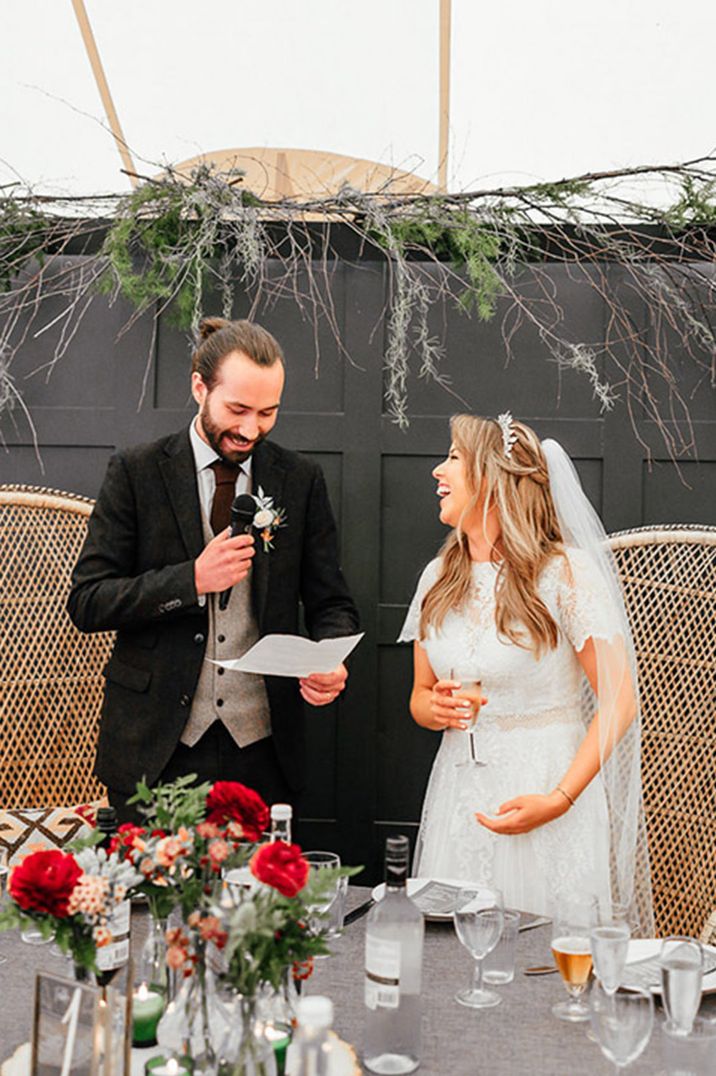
pixel 554 813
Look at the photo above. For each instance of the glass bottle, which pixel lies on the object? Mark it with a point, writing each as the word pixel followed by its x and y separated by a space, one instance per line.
pixel 281 815
pixel 393 969
pixel 312 1044
pixel 110 958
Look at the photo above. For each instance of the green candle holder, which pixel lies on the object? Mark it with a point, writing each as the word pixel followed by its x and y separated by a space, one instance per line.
pixel 147 1009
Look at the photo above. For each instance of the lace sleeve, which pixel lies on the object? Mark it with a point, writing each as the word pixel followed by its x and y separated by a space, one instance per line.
pixel 411 625
pixel 586 608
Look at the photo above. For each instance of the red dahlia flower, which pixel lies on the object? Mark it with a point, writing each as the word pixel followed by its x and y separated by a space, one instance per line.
pixel 43 882
pixel 230 801
pixel 281 866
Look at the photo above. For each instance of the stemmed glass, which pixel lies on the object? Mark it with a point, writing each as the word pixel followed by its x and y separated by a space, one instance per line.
pixel 322 861
pixel 609 942
pixel 471 690
pixel 682 962
pixel 573 955
pixel 622 1023
pixel 479 919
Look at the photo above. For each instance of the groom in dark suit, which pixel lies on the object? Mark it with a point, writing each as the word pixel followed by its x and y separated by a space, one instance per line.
pixel 158 553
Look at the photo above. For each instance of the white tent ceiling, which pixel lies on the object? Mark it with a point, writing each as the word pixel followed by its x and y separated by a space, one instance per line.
pixel 539 88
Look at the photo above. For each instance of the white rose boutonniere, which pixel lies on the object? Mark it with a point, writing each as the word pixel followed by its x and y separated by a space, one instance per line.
pixel 267 518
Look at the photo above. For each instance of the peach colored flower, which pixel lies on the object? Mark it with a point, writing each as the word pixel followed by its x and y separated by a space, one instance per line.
pixel 176 956
pixel 194 919
pixel 218 852
pixel 207 830
pixel 168 851
pixel 89 895
pixel 102 937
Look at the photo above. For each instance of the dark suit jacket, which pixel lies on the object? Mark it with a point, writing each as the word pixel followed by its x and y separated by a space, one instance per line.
pixel 135 575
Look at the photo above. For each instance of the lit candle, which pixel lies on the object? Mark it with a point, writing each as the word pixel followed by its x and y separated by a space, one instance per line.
pixel 147 1008
pixel 279 1035
pixel 172 1066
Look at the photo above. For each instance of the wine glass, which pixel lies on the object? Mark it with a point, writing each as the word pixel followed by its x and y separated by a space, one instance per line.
pixel 471 691
pixel 323 861
pixel 682 962
pixel 609 942
pixel 573 955
pixel 478 919
pixel 622 1023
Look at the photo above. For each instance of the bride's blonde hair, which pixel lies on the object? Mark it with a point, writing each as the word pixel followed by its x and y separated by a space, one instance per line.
pixel 518 485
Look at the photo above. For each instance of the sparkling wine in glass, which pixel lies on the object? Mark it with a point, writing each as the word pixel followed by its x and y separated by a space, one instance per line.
pixel 610 945
pixel 471 691
pixel 571 949
pixel 682 962
pixel 478 918
pixel 622 1023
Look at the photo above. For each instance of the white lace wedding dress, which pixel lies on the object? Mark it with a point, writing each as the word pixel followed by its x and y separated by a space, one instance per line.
pixel 527 734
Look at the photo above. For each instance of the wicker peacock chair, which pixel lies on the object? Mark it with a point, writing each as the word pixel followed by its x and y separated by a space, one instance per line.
pixel 668 576
pixel 50 675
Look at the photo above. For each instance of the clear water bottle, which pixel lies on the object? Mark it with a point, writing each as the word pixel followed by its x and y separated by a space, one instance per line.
pixel 281 815
pixel 393 970
pixel 312 1043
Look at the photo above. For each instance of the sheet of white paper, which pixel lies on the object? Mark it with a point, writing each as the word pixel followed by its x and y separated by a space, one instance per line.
pixel 292 655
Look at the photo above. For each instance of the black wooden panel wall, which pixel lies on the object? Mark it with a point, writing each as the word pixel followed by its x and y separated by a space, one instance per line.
pixel 369 762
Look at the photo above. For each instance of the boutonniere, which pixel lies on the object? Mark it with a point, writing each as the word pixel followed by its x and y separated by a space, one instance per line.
pixel 267 519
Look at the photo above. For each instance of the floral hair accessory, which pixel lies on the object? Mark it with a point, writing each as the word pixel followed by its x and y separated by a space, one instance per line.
pixel 267 518
pixel 509 435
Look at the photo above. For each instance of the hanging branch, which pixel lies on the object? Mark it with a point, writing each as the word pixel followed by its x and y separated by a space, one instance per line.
pixel 178 243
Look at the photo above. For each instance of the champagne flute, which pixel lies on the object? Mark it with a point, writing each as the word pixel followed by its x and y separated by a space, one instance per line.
pixel 471 691
pixel 573 955
pixel 478 919
pixel 609 942
pixel 682 962
pixel 622 1023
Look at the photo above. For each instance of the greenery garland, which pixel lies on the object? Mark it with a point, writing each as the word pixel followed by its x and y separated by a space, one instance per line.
pixel 175 243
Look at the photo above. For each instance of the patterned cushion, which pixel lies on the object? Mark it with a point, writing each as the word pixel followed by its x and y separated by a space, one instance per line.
pixel 23 831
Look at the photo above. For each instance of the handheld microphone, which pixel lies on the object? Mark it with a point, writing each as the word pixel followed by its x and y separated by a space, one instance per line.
pixel 243 509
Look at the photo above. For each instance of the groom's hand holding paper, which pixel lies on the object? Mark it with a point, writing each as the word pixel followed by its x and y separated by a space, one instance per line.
pixel 318 666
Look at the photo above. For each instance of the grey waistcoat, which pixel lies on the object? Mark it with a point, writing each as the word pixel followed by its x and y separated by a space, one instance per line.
pixel 237 699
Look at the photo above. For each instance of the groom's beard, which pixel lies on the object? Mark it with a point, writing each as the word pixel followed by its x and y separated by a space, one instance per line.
pixel 219 439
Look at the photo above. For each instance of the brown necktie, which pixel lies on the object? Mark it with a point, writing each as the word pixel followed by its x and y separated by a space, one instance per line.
pixel 225 474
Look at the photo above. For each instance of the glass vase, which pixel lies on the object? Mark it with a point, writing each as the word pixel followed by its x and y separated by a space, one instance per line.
pixel 245 1050
pixel 195 1022
pixel 153 967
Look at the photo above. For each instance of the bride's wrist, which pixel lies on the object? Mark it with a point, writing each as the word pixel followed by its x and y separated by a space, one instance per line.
pixel 561 797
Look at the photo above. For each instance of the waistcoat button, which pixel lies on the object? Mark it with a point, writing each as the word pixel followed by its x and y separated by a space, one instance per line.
pixel 219 702
pixel 221 638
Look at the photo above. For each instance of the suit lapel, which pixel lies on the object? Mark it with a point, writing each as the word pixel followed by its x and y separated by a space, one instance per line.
pixel 268 473
pixel 179 473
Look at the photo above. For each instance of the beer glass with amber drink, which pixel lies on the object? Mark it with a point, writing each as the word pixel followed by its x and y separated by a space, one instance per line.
pixel 572 954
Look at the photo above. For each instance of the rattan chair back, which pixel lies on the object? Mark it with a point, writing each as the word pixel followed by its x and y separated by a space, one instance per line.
pixel 51 675
pixel 668 576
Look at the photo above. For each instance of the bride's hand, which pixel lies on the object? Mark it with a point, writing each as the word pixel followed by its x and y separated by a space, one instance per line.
pixel 523 813
pixel 448 711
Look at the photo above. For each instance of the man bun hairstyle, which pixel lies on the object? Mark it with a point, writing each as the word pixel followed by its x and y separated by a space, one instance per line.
pixel 219 337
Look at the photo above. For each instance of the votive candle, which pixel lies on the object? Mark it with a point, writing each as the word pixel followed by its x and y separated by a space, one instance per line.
pixel 147 1009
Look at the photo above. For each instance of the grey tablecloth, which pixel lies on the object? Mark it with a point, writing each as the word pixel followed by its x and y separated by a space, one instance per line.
pixel 520 1037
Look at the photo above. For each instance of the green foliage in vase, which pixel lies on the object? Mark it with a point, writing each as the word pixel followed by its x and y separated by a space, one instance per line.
pixel 170 806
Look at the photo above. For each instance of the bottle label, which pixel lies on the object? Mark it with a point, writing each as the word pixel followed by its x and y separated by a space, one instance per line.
pixel 382 973
pixel 116 953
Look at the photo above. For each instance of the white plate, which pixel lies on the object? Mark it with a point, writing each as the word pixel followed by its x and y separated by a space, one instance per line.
pixel 416 884
pixel 648 948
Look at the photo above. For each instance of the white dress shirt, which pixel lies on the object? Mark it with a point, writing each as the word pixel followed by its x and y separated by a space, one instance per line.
pixel 204 456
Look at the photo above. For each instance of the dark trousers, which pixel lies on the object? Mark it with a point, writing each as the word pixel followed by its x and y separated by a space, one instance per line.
pixel 217 757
